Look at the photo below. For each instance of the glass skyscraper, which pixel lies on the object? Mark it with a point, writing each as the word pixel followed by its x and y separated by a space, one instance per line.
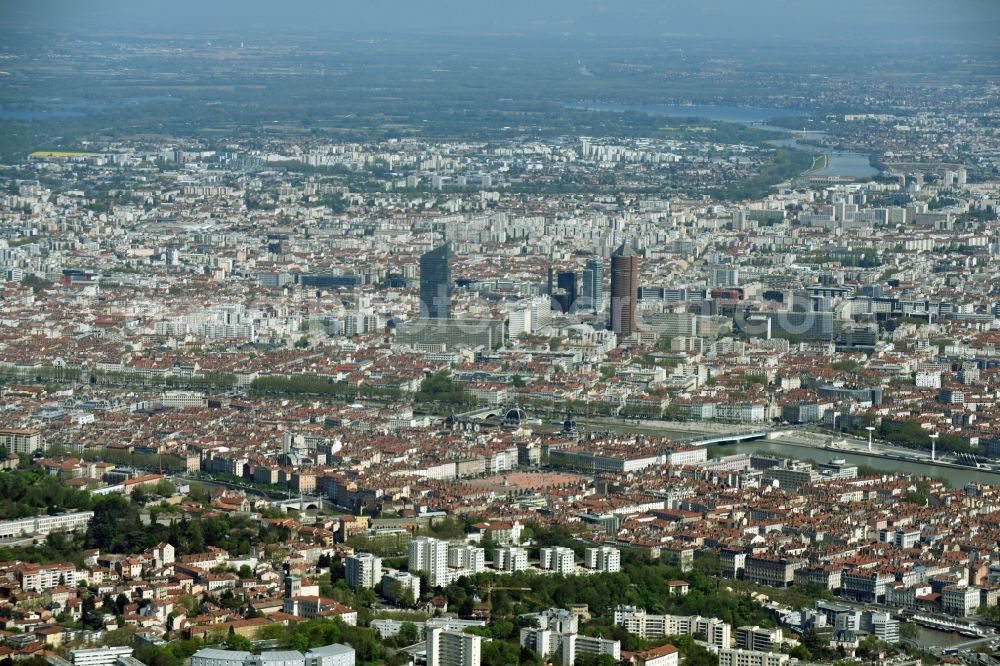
pixel 624 290
pixel 593 285
pixel 435 283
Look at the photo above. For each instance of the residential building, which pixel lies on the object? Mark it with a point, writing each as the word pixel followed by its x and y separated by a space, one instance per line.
pixel 277 658
pixel 650 627
pixel 328 655
pixel 43 525
pixel 773 571
pixel 21 440
pixel 758 638
pixel 734 657
pixel 558 558
pixel 865 584
pixel 960 600
pixel 664 655
pixel 431 556
pixel 465 559
pixel 603 558
pixel 217 657
pixel 510 559
pixel 102 656
pixel 555 637
pixel 400 585
pixel 446 647
pixel 363 570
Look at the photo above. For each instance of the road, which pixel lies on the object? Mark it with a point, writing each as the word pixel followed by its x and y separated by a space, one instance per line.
pixel 804 435
pixel 683 430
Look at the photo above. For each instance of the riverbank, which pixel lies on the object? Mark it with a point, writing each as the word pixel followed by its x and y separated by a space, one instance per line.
pixel 954 475
pixel 823 163
pixel 859 449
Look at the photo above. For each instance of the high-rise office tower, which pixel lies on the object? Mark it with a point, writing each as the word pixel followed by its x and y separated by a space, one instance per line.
pixel 435 283
pixel 566 280
pixel 593 285
pixel 624 290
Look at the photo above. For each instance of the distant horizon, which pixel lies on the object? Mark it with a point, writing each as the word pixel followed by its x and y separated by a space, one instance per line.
pixel 894 22
pixel 644 41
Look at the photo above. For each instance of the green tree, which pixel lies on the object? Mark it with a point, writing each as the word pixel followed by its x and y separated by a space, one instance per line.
pixel 408 634
pixel 801 653
pixel 237 642
pixel 440 387
pixel 165 488
pixel 139 495
pixel 113 518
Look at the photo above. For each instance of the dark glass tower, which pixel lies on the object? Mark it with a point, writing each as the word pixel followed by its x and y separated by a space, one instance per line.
pixel 624 290
pixel 435 283
pixel 566 280
pixel 593 285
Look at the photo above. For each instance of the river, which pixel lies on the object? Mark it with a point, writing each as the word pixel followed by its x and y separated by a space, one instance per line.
pixel 928 638
pixel 42 114
pixel 838 163
pixel 955 477
pixel 727 114
pixel 49 109
pixel 846 164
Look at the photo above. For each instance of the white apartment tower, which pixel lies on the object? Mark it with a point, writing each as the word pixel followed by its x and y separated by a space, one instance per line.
pixel 510 559
pixel 603 558
pixel 558 558
pixel 363 570
pixel 452 648
pixel 431 556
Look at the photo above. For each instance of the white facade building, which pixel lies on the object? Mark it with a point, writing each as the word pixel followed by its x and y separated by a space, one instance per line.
pixel 328 655
pixel 650 627
pixel 510 559
pixel 604 558
pixel 558 558
pixel 104 656
pixel 363 570
pixel 452 648
pixel 555 637
pixel 431 556
pixel 752 658
pixel 216 657
pixel 41 525
pixel 928 380
pixel 464 559
pixel 396 584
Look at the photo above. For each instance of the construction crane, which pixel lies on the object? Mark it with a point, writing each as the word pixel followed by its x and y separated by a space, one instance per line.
pixel 489 587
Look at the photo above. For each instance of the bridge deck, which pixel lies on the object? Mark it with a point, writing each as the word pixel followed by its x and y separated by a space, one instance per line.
pixel 728 439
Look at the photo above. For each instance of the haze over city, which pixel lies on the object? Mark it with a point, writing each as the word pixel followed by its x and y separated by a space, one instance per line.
pixel 458 333
pixel 893 21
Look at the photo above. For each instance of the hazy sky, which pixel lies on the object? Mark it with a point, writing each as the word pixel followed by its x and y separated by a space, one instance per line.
pixel 892 20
